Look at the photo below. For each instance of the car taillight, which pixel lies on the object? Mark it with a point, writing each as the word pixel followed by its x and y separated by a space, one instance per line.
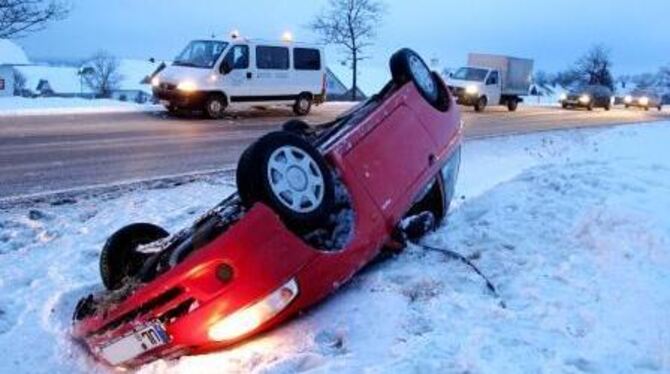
pixel 246 320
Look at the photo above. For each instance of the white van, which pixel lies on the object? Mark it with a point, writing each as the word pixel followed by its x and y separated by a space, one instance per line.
pixel 213 75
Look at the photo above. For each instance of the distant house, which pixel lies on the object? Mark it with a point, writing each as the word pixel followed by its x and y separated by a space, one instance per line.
pixel 58 81
pixel 11 56
pixel 135 84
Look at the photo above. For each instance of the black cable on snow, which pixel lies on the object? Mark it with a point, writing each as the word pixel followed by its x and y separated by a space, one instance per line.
pixel 457 256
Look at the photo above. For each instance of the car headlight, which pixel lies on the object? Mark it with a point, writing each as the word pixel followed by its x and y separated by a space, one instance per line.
pixel 471 89
pixel 563 97
pixel 628 99
pixel 187 86
pixel 250 318
pixel 155 81
pixel 585 99
pixel 644 100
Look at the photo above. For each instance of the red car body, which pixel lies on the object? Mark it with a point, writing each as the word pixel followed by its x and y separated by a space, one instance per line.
pixel 385 162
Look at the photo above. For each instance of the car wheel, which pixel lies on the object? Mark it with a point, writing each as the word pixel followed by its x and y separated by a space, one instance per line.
pixel 512 105
pixel 119 259
pixel 480 105
pixel 215 106
pixel 406 66
pixel 303 105
pixel 590 106
pixel 288 174
pixel 626 106
pixel 564 105
pixel 608 107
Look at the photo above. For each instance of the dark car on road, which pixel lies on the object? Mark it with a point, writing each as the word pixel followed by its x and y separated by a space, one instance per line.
pixel 589 97
pixel 643 99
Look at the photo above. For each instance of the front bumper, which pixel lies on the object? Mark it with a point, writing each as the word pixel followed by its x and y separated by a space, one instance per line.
pixel 463 98
pixel 576 103
pixel 174 97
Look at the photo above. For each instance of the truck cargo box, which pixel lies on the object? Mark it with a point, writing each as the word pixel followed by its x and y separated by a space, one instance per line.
pixel 515 72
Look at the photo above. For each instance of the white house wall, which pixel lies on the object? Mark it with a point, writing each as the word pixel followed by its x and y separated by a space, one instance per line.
pixel 6 77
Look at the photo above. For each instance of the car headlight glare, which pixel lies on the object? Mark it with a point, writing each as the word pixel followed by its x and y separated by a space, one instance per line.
pixel 471 89
pixel 644 100
pixel 187 86
pixel 250 318
pixel 585 99
pixel 155 82
pixel 628 99
pixel 563 97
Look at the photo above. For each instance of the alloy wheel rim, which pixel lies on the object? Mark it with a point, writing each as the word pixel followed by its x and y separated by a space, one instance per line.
pixel 295 179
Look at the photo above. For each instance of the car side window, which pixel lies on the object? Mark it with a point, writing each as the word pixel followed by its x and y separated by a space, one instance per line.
pixel 493 78
pixel 275 58
pixel 238 57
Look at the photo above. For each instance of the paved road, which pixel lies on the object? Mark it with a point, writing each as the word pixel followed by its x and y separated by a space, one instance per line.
pixel 49 153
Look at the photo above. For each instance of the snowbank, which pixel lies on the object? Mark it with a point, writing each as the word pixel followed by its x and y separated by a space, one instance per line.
pixel 573 228
pixel 21 106
pixel 12 54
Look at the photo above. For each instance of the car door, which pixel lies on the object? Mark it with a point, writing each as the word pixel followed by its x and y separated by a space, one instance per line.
pixel 272 79
pixel 493 87
pixel 237 81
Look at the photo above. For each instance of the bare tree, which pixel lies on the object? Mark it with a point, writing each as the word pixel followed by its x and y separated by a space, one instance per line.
pixel 20 17
pixel 645 80
pixel 664 76
pixel 102 73
pixel 352 25
pixel 595 67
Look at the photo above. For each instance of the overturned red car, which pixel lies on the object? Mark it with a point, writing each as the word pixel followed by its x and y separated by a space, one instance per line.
pixel 314 205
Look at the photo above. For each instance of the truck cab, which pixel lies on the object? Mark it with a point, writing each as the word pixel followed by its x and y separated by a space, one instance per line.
pixel 213 75
pixel 491 80
pixel 476 86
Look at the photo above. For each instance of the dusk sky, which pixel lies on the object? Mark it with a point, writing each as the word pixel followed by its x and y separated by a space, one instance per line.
pixel 553 32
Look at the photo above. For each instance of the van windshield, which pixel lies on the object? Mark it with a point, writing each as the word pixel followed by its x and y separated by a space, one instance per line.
pixel 201 54
pixel 470 74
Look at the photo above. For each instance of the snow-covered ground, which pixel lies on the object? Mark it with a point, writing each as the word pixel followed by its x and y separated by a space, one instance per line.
pixel 21 106
pixel 573 227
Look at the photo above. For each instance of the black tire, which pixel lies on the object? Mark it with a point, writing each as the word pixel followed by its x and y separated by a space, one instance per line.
pixel 296 126
pixel 119 259
pixel 512 105
pixel 564 105
pixel 590 106
pixel 626 106
pixel 480 105
pixel 608 106
pixel 406 66
pixel 303 104
pixel 646 108
pixel 257 167
pixel 215 106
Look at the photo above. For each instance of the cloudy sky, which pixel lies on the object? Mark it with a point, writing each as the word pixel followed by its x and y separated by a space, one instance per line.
pixel 553 32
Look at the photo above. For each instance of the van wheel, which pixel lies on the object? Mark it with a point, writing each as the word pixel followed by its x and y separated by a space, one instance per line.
pixel 119 258
pixel 590 106
pixel 480 105
pixel 608 107
pixel 407 65
pixel 215 106
pixel 303 105
pixel 288 174
pixel 512 105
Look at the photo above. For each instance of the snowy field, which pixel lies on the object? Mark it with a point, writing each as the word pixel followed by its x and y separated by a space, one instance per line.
pixel 22 106
pixel 573 227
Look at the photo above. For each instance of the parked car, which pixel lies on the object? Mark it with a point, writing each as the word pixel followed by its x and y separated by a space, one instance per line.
pixel 212 75
pixel 314 205
pixel 491 80
pixel 589 97
pixel 644 99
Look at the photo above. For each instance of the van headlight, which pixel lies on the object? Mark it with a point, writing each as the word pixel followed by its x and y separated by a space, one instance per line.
pixel 155 81
pixel 187 86
pixel 471 89
pixel 250 318
pixel 644 100
pixel 585 99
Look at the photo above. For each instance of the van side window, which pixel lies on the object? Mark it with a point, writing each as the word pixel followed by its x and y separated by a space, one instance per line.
pixel 272 58
pixel 238 57
pixel 306 59
pixel 493 78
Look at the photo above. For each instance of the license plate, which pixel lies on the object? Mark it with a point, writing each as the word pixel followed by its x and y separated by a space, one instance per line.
pixel 133 345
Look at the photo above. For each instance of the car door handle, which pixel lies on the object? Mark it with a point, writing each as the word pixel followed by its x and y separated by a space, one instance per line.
pixel 249 75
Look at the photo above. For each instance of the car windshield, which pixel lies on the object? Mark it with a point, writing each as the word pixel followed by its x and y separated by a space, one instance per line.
pixel 470 74
pixel 200 54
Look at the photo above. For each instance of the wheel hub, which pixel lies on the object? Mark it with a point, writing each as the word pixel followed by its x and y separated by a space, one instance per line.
pixel 295 179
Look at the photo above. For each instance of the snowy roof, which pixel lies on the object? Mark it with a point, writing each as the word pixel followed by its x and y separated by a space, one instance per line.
pixel 134 72
pixel 371 79
pixel 12 54
pixel 62 80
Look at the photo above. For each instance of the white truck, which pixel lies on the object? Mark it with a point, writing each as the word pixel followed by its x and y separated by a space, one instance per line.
pixel 491 80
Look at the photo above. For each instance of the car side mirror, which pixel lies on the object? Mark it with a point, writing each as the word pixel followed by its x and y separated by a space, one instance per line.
pixel 225 68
